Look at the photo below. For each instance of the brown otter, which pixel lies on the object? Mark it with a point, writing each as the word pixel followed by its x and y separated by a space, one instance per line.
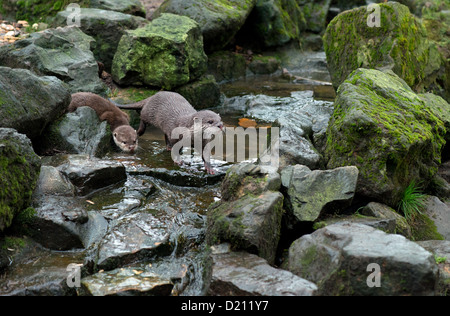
pixel 124 135
pixel 168 111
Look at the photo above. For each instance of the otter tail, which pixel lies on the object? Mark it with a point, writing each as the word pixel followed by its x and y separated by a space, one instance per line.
pixel 134 106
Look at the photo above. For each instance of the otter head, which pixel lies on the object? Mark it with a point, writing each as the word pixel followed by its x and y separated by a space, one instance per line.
pixel 126 138
pixel 208 119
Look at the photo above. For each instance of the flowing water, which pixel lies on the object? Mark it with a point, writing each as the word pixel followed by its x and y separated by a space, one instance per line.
pixel 176 198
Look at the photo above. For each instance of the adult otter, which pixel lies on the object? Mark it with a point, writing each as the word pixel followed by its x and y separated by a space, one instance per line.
pixel 168 111
pixel 124 135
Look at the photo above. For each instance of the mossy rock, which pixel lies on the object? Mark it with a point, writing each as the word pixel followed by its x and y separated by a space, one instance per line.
pixel 400 44
pixel 166 53
pixel 106 27
pixel 273 23
pixel 19 172
pixel 219 20
pixel 381 126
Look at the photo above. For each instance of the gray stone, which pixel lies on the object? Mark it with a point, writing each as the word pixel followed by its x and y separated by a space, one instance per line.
pixel 28 102
pixel 439 213
pixel 338 259
pixel 312 194
pixel 106 27
pixel 130 281
pixel 219 20
pixel 250 223
pixel 240 273
pixel 133 7
pixel 62 52
pixel 91 174
pixel 80 132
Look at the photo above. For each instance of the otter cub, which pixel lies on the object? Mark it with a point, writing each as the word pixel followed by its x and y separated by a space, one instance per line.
pixel 124 135
pixel 169 110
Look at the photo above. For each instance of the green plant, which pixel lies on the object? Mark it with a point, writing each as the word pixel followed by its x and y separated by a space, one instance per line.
pixel 440 259
pixel 412 201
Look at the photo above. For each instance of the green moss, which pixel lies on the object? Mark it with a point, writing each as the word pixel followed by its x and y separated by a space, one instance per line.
pixel 40 10
pixel 386 130
pixel 401 42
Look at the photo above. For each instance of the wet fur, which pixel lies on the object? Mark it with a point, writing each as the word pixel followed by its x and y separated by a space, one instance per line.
pixel 125 136
pixel 169 110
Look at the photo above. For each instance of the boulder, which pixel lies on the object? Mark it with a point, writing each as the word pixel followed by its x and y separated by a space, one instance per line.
pixel 441 251
pixel 91 174
pixel 133 7
pixel 315 14
pixel 36 271
pixel 28 102
pixel 106 27
pixel 219 20
pixel 381 126
pixel 383 211
pixel 313 194
pixel 134 237
pixel 355 259
pixel 243 274
pixel 19 172
pixel 273 23
pixel 79 132
pixel 61 221
pixel 203 93
pixel 249 214
pixel 167 53
pixel 226 66
pixel 62 52
pixel 130 281
pixel 439 213
pixel 399 44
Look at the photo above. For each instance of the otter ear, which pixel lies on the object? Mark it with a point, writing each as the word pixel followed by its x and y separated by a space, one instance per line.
pixel 115 134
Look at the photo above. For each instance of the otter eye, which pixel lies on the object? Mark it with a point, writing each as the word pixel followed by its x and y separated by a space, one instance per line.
pixel 211 122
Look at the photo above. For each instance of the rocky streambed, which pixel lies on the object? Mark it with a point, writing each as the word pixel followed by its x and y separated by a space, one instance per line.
pixel 359 141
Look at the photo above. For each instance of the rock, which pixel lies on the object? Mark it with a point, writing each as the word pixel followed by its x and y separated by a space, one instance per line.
pixel 246 178
pixel 441 109
pixel 28 102
pixel 132 281
pixel 399 44
pixel 226 66
pixel 39 272
pixel 441 251
pixel 240 273
pixel 61 221
pixel 300 119
pixel 384 224
pixel 264 65
pixel 341 259
pixel 203 93
pixel 382 211
pixel 439 213
pixel 167 53
pixel 273 23
pixel 249 214
pixel 134 237
pixel 19 172
pixel 133 7
pixel 219 20
pixel 79 132
pixel 52 182
pixel 56 224
pixel 62 52
pixel 106 27
pixel 91 174
pixel 381 126
pixel 312 194
pixel 315 14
